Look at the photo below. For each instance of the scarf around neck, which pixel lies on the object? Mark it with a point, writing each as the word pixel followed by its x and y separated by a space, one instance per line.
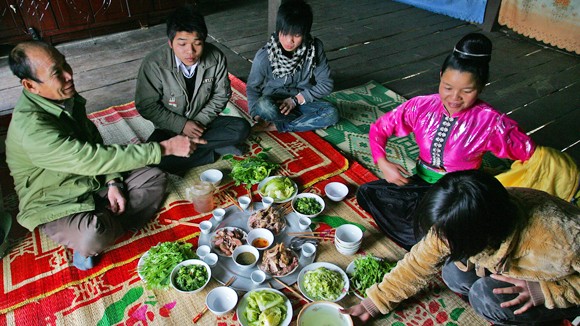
pixel 283 66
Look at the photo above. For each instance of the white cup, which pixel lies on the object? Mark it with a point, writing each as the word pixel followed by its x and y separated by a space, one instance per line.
pixel 308 249
pixel 203 251
pixel 304 223
pixel 205 227
pixel 267 202
pixel 211 259
pixel 258 277
pixel 244 202
pixel 218 214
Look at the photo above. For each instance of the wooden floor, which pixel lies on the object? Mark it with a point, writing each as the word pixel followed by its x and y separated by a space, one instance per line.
pixel 400 46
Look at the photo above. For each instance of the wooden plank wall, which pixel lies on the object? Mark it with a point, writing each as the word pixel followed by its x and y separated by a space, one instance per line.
pixel 400 46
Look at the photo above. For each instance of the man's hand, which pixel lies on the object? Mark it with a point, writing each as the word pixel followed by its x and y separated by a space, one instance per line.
pixel 287 105
pixel 180 145
pixel 193 129
pixel 116 200
pixel 360 315
pixel 524 298
pixel 392 172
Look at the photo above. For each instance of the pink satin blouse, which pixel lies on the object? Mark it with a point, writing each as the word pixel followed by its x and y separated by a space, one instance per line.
pixel 456 142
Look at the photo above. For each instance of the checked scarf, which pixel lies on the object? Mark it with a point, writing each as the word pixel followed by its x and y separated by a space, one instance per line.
pixel 283 66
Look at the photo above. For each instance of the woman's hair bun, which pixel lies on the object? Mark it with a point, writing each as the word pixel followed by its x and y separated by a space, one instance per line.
pixel 473 46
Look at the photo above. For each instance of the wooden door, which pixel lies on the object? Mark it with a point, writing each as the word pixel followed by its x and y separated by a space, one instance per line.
pixel 11 24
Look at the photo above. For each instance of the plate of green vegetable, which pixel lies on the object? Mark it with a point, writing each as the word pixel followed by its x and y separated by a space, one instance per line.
pixel 155 265
pixel 323 282
pixel 308 205
pixel 365 271
pixel 281 189
pixel 264 306
pixel 251 170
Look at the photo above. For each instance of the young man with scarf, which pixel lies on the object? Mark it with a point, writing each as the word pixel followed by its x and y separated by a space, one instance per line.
pixel 290 75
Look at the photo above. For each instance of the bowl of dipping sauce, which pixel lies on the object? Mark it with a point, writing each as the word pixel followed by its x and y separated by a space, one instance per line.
pixel 260 238
pixel 245 256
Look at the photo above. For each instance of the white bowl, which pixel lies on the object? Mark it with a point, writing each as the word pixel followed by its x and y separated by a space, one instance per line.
pixel 184 264
pixel 205 227
pixel 243 249
pixel 244 304
pixel 329 266
pixel 308 195
pixel 336 191
pixel 221 300
pixel 348 234
pixel 212 176
pixel 211 259
pixel 265 234
pixel 323 313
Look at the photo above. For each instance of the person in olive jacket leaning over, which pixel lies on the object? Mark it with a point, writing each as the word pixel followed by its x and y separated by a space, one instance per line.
pixel 79 192
pixel 183 86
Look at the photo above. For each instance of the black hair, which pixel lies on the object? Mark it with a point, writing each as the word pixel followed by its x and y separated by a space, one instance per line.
pixel 471 54
pixel 470 210
pixel 19 62
pixel 294 17
pixel 186 19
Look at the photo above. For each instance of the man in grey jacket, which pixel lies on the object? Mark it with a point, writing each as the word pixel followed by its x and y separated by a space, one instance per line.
pixel 182 87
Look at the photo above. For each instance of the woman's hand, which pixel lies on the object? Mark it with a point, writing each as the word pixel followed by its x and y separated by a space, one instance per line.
pixel 392 172
pixel 360 315
pixel 524 298
pixel 116 200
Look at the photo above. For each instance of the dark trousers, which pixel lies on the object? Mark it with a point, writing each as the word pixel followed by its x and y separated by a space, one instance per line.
pixel 393 207
pixel 89 233
pixel 479 290
pixel 223 131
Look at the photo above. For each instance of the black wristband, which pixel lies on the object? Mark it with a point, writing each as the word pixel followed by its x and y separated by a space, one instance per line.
pixel 119 185
pixel 295 100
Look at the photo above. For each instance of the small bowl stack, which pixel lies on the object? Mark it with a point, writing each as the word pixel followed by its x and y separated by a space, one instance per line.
pixel 347 239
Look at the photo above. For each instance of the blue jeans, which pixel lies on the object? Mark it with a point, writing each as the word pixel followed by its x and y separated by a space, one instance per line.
pixel 309 116
pixel 487 304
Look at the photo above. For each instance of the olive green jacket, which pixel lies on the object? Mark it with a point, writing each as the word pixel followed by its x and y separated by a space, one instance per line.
pixel 58 160
pixel 161 94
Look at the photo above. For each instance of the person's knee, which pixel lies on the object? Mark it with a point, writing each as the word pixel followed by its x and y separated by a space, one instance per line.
pixel 453 278
pixel 488 304
pixel 242 130
pixel 333 116
pixel 265 108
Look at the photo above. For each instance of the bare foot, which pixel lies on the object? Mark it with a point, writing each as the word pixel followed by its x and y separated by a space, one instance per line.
pixel 262 125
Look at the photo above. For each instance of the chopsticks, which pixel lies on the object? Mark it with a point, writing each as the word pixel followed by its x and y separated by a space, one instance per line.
pixel 324 235
pixel 234 201
pixel 290 289
pixel 181 222
pixel 196 318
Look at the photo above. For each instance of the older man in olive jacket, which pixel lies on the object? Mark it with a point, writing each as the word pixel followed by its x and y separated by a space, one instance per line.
pixel 79 192
pixel 183 86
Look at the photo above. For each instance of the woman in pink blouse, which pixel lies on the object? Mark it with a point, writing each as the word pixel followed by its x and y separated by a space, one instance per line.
pixel 453 130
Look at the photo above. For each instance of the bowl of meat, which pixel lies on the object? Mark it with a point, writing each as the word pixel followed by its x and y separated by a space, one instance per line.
pixel 225 240
pixel 271 219
pixel 279 261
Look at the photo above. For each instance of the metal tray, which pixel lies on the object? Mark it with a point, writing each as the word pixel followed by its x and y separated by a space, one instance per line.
pixel 226 268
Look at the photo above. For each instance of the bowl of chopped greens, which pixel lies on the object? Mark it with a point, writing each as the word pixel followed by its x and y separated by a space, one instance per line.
pixel 264 306
pixel 190 276
pixel 155 265
pixel 308 205
pixel 281 189
pixel 323 282
pixel 366 271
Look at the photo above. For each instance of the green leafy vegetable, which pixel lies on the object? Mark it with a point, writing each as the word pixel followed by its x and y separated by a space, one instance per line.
pixel 191 277
pixel 278 188
pixel 307 205
pixel 265 308
pixel 251 170
pixel 323 284
pixel 369 270
pixel 160 261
